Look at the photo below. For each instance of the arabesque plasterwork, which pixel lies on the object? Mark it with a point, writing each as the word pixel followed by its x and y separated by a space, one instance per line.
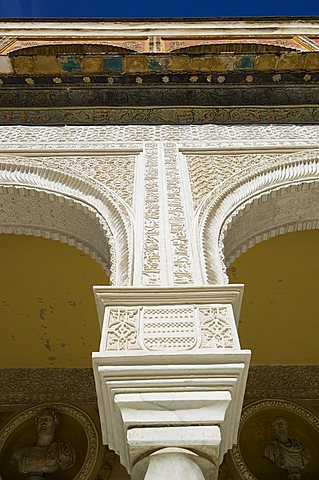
pixel 70 187
pixel 278 171
pixel 152 246
pixel 169 328
pixel 164 172
pixel 209 171
pixel 50 215
pixel 288 209
pixel 221 167
pixel 133 136
pixel 183 270
pixel 298 382
pixel 116 172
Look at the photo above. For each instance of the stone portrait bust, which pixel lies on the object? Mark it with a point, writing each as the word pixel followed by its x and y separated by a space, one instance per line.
pixel 47 455
pixel 285 452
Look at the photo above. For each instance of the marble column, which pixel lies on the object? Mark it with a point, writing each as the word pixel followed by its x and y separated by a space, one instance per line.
pixel 179 462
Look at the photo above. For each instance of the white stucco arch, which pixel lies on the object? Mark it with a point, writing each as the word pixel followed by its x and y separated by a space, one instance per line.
pixel 37 199
pixel 256 205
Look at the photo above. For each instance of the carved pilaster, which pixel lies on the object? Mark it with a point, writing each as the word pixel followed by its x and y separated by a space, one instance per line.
pixel 151 242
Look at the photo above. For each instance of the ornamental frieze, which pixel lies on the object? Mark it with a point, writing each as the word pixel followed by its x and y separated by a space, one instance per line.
pixel 110 137
pixel 304 114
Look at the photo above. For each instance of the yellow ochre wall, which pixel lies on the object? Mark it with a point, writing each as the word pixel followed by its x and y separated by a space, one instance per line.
pixel 279 319
pixel 48 316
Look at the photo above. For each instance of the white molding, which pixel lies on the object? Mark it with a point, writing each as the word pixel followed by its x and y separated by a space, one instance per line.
pixel 139 214
pixel 143 28
pixel 289 209
pixel 188 295
pixel 191 221
pixel 22 172
pixel 47 220
pixel 130 138
pixel 157 368
pixel 217 210
pixel 147 377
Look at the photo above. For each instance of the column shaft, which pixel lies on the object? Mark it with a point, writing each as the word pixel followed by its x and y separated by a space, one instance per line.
pixel 166 464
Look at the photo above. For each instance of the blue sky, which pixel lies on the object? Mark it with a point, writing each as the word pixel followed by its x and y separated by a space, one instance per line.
pixel 156 8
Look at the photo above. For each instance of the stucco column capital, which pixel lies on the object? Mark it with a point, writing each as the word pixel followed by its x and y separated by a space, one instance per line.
pixel 170 371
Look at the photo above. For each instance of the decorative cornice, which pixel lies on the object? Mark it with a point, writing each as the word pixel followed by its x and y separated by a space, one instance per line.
pixel 192 87
pixel 130 27
pixel 170 26
pixel 278 85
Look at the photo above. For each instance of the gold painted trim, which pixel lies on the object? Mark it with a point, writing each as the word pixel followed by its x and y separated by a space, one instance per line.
pixel 305 42
pixel 5 49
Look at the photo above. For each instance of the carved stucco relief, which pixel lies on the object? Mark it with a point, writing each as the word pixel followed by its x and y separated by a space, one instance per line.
pixel 286 210
pixel 93 137
pixel 208 171
pixel 115 172
pixel 179 236
pixel 110 237
pixel 169 328
pixel 151 243
pixel 220 184
pixel 39 213
pixel 122 329
pixel 243 190
pixel 167 253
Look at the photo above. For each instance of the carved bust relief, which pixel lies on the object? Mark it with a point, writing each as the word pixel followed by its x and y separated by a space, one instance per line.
pixel 51 442
pixel 285 452
pixel 47 455
pixel 278 440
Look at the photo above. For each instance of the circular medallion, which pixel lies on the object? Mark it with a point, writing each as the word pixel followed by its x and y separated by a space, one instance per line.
pixel 277 440
pixel 49 439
